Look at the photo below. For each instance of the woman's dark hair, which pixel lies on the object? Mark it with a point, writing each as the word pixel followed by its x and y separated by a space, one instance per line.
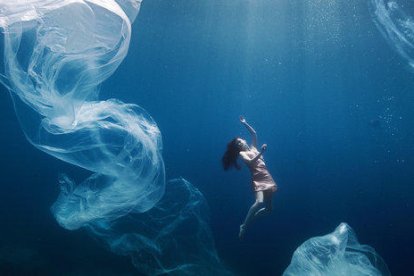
pixel 230 156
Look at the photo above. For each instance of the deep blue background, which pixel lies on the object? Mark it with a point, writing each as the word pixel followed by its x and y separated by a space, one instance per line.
pixel 316 79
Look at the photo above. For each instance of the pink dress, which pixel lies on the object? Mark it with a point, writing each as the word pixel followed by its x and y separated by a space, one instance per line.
pixel 261 178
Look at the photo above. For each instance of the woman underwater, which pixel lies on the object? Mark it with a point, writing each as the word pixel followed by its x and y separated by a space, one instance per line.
pixel 262 182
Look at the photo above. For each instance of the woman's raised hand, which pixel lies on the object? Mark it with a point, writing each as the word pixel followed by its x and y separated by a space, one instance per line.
pixel 242 119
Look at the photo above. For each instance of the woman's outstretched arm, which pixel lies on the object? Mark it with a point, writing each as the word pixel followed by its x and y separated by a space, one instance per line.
pixel 251 130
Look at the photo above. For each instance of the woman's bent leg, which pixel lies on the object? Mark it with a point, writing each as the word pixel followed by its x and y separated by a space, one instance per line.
pixel 267 199
pixel 251 214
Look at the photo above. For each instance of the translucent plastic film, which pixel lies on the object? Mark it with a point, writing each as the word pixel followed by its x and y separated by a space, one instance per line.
pixel 395 20
pixel 338 253
pixel 173 238
pixel 56 54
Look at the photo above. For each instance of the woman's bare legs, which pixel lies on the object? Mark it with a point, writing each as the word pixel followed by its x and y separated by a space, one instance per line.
pixel 257 205
pixel 267 198
pixel 257 209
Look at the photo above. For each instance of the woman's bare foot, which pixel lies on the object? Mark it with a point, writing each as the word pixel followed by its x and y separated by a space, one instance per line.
pixel 242 231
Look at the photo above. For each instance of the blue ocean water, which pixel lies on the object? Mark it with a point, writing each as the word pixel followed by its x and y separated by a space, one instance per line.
pixel 316 79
